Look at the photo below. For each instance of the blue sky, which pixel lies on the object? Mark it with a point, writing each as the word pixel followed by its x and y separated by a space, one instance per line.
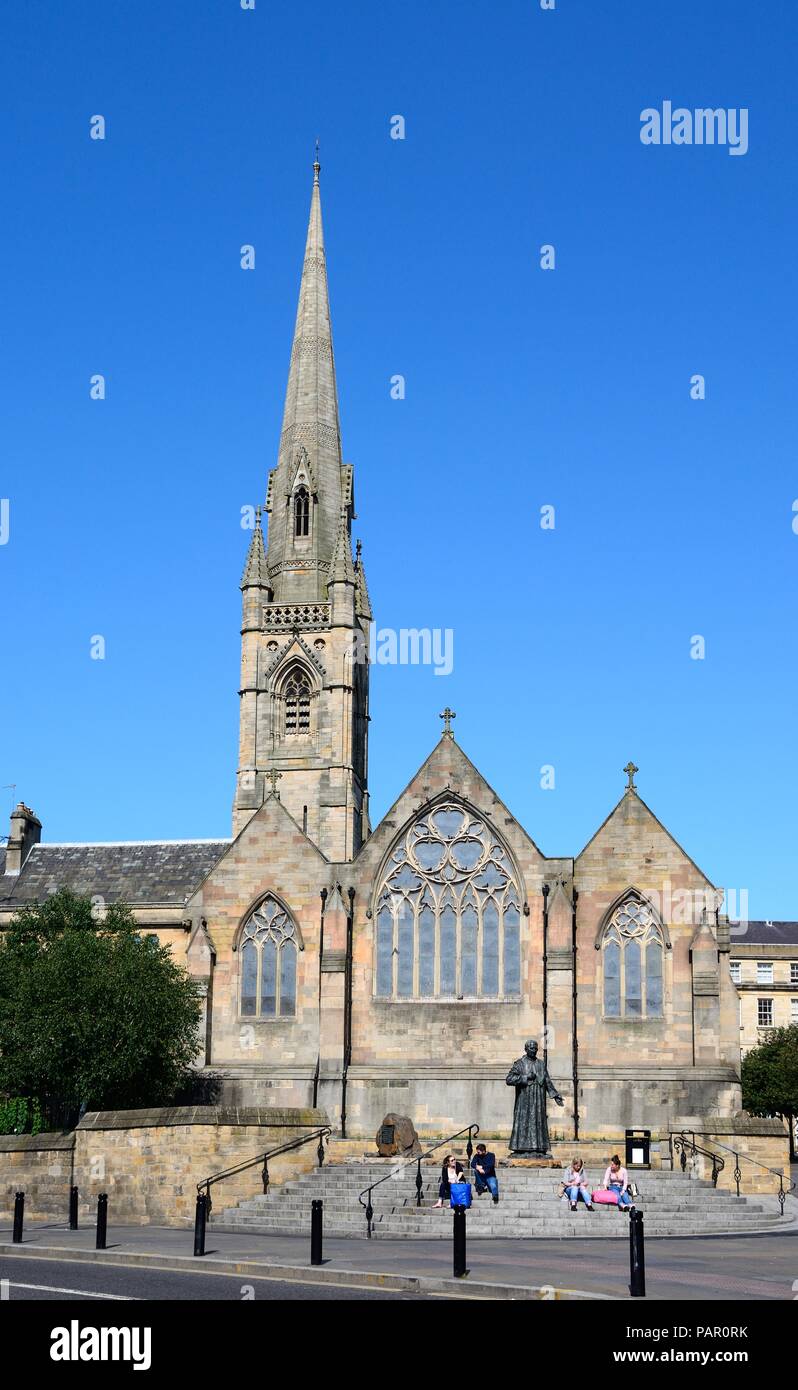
pixel 524 388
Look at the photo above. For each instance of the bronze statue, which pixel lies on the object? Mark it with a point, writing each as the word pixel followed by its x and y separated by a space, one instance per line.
pixel 532 1083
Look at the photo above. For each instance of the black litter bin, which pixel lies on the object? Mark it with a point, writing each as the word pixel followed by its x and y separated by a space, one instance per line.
pixel 638 1148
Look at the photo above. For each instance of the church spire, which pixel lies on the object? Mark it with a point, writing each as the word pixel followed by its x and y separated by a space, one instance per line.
pixel 305 607
pixel 309 485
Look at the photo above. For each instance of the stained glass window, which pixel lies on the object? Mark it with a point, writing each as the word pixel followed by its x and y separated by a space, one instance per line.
pixel 448 913
pixel 612 979
pixel 268 963
pixel 632 956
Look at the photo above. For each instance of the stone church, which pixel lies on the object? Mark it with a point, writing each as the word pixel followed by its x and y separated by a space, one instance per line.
pixel 401 967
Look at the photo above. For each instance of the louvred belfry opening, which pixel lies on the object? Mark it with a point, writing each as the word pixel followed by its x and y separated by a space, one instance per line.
pixel 297 704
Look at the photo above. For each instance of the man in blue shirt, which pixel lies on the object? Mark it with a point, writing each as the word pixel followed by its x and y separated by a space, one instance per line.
pixel 484 1166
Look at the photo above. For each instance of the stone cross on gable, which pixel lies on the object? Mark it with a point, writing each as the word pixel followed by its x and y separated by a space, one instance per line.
pixel 274 776
pixel 447 716
pixel 630 771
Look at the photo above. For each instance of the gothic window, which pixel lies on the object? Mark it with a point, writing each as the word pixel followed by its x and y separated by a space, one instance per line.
pixel 268 963
pixel 297 704
pixel 301 512
pixel 632 951
pixel 448 912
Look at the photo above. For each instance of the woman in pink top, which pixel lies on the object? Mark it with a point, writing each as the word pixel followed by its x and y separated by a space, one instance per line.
pixel 616 1179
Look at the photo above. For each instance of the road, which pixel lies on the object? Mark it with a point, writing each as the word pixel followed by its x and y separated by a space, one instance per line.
pixel 40 1279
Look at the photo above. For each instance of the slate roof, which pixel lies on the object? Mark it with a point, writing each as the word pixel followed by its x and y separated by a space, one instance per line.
pixel 163 871
pixel 764 934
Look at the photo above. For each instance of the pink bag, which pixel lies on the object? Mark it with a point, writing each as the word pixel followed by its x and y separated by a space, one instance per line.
pixel 605 1197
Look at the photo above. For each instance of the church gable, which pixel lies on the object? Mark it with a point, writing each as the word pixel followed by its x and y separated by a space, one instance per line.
pixel 633 849
pixel 260 913
pixel 270 852
pixel 448 772
pixel 640 897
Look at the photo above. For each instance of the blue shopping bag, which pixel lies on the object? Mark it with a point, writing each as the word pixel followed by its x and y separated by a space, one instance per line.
pixel 461 1194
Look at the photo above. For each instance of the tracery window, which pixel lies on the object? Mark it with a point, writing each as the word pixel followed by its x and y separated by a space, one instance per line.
pixel 448 912
pixel 632 953
pixel 297 703
pixel 301 512
pixel 268 963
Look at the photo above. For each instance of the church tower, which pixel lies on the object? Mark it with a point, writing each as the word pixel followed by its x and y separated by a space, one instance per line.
pixel 306 611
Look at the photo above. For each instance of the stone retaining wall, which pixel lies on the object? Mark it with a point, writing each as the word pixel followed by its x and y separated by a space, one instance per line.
pixel 40 1165
pixel 150 1161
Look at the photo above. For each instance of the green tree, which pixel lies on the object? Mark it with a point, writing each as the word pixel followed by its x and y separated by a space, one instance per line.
pixel 770 1078
pixel 89 1011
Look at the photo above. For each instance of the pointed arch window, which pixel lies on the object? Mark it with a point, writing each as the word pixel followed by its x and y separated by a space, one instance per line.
pixel 296 695
pixel 268 963
pixel 447 912
pixel 632 958
pixel 301 512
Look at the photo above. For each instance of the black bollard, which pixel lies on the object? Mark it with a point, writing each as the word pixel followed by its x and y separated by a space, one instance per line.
pixel 637 1256
pixel 102 1220
pixel 19 1217
pixel 199 1224
pixel 316 1209
pixel 73 1208
pixel 459 1242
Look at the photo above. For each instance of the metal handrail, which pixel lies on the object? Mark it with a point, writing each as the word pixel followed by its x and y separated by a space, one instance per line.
pixel 367 1191
pixel 263 1158
pixel 679 1142
pixel 781 1194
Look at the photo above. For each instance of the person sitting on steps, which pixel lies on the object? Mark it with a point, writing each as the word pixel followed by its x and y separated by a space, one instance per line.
pixel 574 1185
pixel 452 1171
pixel 616 1179
pixel 484 1166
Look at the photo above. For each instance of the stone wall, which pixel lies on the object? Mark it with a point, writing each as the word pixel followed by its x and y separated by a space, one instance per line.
pixel 40 1165
pixel 150 1161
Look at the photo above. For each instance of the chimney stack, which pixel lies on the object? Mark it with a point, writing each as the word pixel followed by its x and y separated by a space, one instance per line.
pixel 26 831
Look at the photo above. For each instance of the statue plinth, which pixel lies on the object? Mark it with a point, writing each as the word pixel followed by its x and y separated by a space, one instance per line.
pixel 526 1161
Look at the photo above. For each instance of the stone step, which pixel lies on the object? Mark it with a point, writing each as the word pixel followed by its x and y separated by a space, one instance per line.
pixel 367 1174
pixel 520 1190
pixel 433 1216
pixel 561 1230
pixel 533 1203
pixel 516 1200
pixel 672 1203
pixel 403 1216
pixel 506 1229
pixel 509 1183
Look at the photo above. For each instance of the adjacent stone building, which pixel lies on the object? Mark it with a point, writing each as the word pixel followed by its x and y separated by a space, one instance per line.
pixel 401 968
pixel 764 967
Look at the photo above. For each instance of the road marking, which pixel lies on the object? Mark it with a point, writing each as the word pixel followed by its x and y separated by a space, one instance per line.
pixel 76 1293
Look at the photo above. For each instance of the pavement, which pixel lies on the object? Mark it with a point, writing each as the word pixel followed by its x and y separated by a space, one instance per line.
pixel 745 1267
